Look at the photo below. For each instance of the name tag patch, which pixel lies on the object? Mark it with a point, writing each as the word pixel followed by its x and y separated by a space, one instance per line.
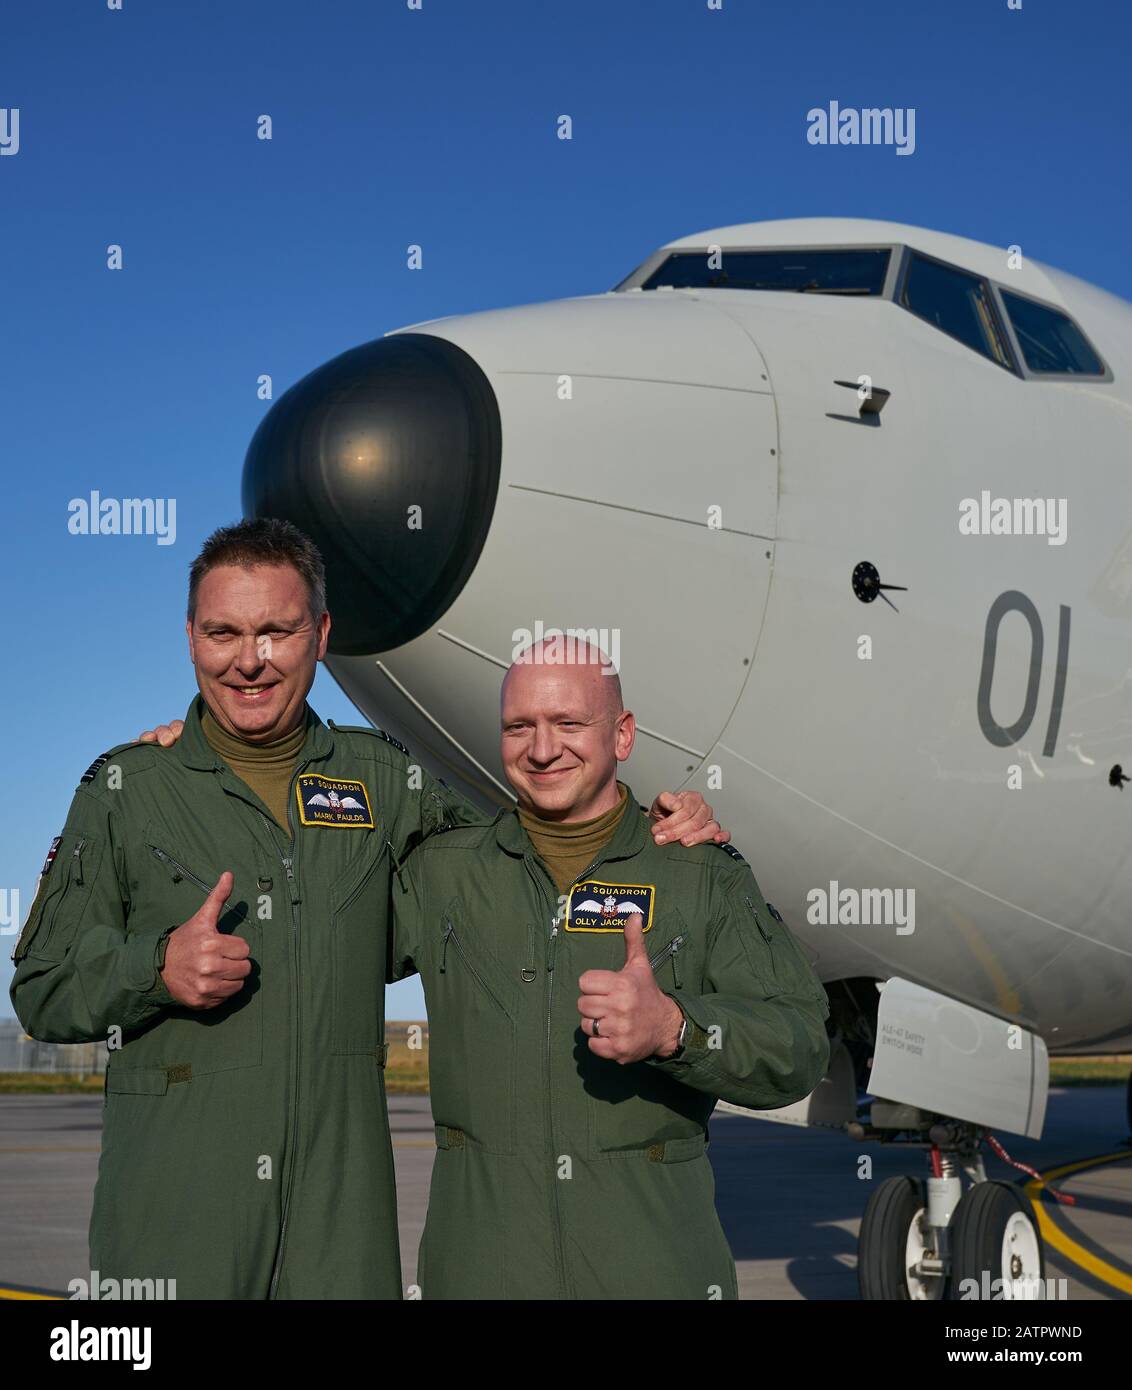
pixel 333 801
pixel 597 906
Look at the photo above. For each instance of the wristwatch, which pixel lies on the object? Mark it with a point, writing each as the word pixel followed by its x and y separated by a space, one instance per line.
pixel 161 948
pixel 680 1037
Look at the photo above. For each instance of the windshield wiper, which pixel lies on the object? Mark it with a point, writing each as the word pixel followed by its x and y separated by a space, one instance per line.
pixel 834 289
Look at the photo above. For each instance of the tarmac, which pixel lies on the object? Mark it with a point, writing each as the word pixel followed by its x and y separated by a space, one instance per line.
pixel 789 1199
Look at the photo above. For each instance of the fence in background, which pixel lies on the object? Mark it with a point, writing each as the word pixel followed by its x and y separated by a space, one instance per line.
pixel 18 1052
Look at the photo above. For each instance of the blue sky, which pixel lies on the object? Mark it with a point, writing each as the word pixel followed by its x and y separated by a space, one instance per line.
pixel 435 127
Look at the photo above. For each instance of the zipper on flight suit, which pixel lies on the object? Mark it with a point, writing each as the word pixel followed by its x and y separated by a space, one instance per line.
pixel 551 942
pixel 555 1210
pixel 286 859
pixel 665 951
pixel 766 936
pixel 288 862
pixel 395 862
pixel 179 870
pixel 74 875
pixel 450 935
pixel 669 953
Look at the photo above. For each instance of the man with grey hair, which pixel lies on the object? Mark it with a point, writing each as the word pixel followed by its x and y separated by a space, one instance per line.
pixel 590 996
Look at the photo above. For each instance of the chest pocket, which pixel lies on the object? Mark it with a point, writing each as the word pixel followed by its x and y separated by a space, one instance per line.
pixel 472 1034
pixel 636 1109
pixel 360 935
pixel 167 888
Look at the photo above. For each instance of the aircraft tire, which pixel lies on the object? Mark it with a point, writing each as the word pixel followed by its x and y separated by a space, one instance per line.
pixel 892 1237
pixel 995 1242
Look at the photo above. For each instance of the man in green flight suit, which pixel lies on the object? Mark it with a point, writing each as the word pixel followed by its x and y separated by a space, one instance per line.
pixel 219 914
pixel 589 997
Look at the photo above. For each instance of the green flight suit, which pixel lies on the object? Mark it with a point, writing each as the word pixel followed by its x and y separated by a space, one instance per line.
pixel 246 1150
pixel 558 1173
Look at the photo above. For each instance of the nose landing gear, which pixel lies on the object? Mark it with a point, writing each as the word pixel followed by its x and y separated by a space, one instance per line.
pixel 924 1240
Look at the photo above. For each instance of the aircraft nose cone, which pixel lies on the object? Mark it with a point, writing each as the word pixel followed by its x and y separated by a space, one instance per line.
pixel 388 458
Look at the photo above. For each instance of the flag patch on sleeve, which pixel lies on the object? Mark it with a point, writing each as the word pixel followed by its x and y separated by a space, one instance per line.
pixel 51 853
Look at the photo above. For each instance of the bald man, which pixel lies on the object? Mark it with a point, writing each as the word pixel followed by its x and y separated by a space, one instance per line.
pixel 590 996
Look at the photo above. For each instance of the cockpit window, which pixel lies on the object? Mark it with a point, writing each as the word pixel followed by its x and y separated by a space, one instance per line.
pixel 957 303
pixel 800 272
pixel 1050 340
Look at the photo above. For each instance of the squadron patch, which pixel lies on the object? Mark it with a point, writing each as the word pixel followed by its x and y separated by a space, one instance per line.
pixel 595 906
pixel 333 801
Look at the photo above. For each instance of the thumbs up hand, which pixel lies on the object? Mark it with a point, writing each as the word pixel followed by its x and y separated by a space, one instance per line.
pixel 635 953
pixel 203 965
pixel 624 1014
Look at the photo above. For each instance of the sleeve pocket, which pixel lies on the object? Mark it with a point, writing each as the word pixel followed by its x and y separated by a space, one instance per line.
pixel 62 899
pixel 791 970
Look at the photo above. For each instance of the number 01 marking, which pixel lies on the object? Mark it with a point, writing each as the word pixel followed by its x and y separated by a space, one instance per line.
pixel 1014 602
